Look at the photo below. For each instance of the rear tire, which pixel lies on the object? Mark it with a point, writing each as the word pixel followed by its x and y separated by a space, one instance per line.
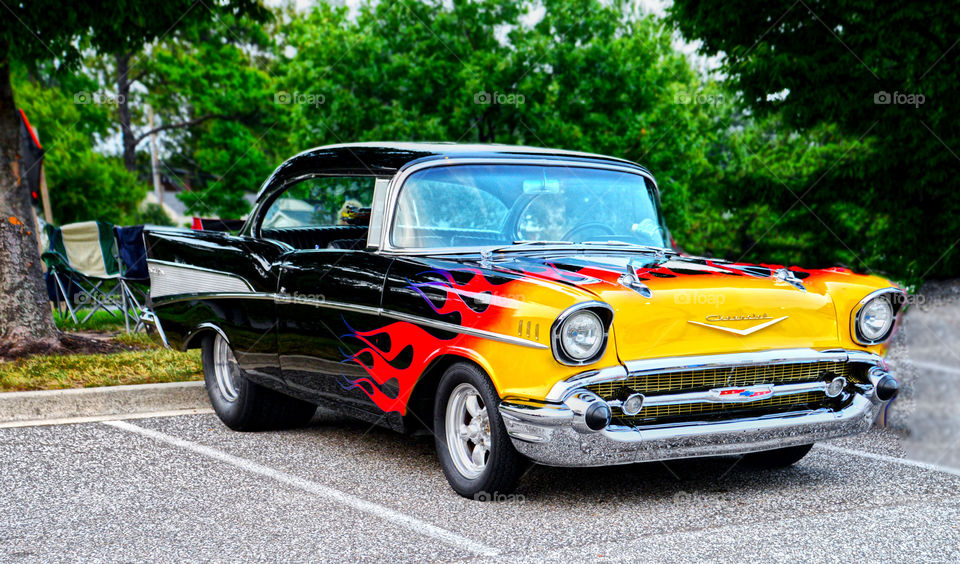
pixel 241 404
pixel 475 452
pixel 779 458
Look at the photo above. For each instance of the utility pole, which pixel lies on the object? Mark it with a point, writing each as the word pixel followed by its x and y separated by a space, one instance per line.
pixel 153 159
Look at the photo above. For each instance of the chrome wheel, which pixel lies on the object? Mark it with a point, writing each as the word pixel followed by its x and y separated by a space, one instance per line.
pixel 468 431
pixel 226 370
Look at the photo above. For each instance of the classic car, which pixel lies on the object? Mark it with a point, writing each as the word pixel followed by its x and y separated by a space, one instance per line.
pixel 521 304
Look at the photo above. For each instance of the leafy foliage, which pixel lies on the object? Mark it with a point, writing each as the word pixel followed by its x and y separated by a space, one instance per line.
pixel 586 76
pixel 877 80
pixel 788 160
pixel 212 75
pixel 83 183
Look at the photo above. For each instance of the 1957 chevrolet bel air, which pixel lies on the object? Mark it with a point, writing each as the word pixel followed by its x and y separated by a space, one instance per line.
pixel 519 303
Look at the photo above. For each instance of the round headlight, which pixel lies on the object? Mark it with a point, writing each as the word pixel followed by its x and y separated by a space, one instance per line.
pixel 581 335
pixel 875 319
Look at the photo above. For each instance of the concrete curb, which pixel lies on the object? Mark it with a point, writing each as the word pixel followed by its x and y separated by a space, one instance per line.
pixel 99 402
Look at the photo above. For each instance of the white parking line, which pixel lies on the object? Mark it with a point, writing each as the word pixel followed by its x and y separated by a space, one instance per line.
pixel 380 511
pixel 891 459
pixel 101 418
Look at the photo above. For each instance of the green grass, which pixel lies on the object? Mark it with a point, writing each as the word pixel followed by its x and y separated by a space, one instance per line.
pixel 137 340
pixel 101 321
pixel 149 363
pixel 54 372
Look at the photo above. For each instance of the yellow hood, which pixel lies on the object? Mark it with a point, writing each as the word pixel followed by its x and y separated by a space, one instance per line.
pixel 701 306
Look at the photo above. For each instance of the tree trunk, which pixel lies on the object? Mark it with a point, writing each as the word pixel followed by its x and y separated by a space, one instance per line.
pixel 26 324
pixel 123 112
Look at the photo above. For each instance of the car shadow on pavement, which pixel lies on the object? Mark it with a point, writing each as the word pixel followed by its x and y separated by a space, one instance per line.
pixel 698 480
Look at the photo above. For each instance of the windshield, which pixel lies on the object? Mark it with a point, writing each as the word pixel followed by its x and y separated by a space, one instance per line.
pixel 497 204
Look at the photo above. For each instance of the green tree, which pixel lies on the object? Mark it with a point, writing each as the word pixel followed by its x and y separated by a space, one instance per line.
pixel 588 75
pixel 30 34
pixel 211 92
pixel 880 79
pixel 83 183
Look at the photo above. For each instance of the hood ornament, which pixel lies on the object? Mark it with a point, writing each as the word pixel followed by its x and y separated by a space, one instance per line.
pixel 784 275
pixel 632 280
pixel 740 332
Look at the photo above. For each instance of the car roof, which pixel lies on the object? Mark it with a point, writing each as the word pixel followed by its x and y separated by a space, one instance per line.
pixel 384 159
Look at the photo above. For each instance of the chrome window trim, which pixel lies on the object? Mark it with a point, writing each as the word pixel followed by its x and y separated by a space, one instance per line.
pixel 396 185
pixel 559 353
pixel 377 212
pixel 270 195
pixel 342 306
pixel 855 315
pixel 666 365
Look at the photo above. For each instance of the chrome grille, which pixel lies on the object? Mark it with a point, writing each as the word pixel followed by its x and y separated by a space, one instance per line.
pixel 705 408
pixel 748 375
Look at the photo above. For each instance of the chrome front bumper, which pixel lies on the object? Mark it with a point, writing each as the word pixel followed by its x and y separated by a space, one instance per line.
pixel 554 433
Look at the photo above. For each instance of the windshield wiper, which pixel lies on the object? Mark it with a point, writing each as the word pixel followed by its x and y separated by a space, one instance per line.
pixel 615 243
pixel 526 243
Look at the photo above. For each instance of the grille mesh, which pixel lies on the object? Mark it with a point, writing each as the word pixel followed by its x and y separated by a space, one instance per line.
pixel 662 411
pixel 750 375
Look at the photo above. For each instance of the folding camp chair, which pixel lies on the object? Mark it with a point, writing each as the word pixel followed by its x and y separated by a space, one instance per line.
pixel 81 260
pixel 134 278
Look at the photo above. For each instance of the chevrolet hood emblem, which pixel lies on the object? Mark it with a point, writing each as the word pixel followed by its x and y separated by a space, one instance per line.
pixel 741 332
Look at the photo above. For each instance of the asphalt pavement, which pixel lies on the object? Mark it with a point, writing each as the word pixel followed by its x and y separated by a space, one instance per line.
pixel 186 488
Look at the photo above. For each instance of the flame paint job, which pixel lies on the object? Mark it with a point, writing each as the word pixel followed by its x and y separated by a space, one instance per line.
pixel 507 295
pixel 393 357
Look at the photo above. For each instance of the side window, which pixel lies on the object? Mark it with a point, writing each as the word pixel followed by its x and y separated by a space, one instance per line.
pixel 321 201
pixel 321 213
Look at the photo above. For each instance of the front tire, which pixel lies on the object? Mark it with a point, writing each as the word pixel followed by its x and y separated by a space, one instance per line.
pixel 475 452
pixel 779 458
pixel 241 404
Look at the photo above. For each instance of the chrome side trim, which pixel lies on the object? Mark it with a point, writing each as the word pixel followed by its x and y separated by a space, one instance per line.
pixel 198 329
pixel 666 365
pixel 171 279
pixel 464 330
pixel 330 304
pixel 214 296
pixel 547 436
pixel 342 306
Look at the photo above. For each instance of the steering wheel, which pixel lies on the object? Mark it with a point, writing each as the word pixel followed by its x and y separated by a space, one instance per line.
pixel 591 225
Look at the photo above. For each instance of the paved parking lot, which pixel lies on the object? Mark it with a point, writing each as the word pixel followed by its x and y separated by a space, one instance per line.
pixel 187 488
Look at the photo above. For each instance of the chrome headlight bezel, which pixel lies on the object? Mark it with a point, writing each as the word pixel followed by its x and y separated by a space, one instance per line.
pixel 603 312
pixel 894 297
